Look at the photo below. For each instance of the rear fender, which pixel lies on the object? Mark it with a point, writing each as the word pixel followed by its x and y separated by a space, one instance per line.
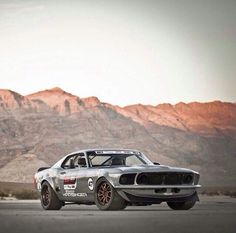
pixel 50 181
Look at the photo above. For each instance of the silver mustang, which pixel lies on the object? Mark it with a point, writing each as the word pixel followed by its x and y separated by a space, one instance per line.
pixel 113 179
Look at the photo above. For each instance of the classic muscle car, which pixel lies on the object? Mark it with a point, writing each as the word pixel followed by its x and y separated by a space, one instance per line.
pixel 113 179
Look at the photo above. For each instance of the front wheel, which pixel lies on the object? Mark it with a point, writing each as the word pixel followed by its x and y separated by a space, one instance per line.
pixel 49 199
pixel 107 198
pixel 181 205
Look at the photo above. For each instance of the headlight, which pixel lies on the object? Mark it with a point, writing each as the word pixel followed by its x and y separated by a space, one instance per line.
pixel 127 179
pixel 188 179
pixel 196 178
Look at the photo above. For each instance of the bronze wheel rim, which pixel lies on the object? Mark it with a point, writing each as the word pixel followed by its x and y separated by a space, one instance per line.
pixel 104 193
pixel 45 196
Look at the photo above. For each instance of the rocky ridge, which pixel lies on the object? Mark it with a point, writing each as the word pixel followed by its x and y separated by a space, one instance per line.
pixel 51 123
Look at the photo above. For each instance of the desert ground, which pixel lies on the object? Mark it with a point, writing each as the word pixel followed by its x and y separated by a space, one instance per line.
pixel 212 214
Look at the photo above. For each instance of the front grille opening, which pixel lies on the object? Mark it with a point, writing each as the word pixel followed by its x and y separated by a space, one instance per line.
pixel 173 179
pixel 164 178
pixel 127 179
pixel 175 190
pixel 150 178
pixel 163 190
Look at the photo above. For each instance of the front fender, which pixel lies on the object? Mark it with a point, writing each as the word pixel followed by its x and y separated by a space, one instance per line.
pixel 112 178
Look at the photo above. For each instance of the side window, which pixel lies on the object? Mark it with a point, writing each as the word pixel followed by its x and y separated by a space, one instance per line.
pixel 74 161
pixel 68 163
pixel 80 161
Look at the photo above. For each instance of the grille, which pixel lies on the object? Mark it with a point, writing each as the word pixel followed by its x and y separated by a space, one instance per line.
pixel 164 178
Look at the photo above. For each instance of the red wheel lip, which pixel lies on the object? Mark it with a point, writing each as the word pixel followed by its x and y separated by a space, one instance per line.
pixel 104 193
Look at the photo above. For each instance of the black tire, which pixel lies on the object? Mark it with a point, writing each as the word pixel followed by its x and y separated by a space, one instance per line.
pixel 107 198
pixel 49 199
pixel 182 205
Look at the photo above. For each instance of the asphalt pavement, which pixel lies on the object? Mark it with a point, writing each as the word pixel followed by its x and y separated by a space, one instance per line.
pixel 212 214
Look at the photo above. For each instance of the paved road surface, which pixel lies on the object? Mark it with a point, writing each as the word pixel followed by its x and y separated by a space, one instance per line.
pixel 212 214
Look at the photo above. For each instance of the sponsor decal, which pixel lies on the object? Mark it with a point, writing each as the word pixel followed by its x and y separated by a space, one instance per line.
pixel 69 180
pixel 69 186
pixel 70 183
pixel 73 194
pixel 90 184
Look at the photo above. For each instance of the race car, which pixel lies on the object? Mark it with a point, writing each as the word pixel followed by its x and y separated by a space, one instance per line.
pixel 113 179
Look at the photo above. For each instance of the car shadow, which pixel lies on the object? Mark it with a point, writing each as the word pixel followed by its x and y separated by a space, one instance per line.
pixel 125 210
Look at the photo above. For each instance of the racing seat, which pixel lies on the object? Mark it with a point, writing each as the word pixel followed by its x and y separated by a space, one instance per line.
pixel 82 162
pixel 117 162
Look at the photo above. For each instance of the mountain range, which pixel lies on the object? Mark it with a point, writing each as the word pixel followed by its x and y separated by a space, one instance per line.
pixel 38 129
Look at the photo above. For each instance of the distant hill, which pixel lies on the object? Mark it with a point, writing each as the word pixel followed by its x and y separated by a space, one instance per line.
pixel 50 123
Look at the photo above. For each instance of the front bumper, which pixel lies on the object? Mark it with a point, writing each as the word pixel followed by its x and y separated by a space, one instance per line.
pixel 157 194
pixel 157 200
pixel 156 186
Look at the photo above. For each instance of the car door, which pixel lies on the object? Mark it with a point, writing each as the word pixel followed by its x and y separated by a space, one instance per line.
pixel 72 178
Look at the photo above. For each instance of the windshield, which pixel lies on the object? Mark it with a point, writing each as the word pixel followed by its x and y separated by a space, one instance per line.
pixel 97 160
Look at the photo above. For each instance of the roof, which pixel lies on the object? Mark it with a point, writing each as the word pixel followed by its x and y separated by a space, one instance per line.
pixel 106 150
pixel 100 151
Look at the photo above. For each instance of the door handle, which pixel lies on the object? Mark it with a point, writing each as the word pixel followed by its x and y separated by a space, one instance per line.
pixel 62 173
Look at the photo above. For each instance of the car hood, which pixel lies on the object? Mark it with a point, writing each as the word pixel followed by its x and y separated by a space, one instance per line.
pixel 148 168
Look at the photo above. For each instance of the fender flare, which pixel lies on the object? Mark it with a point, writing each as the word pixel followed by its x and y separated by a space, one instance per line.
pixel 107 178
pixel 50 181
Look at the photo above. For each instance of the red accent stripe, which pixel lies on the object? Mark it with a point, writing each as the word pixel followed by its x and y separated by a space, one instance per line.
pixel 69 181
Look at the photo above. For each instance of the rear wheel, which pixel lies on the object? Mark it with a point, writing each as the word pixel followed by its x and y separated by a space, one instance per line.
pixel 49 199
pixel 107 198
pixel 181 205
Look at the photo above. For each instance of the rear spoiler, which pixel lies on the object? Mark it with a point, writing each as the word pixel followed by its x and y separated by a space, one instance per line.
pixel 42 168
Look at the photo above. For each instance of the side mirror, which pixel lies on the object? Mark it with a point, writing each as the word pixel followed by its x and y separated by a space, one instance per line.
pixel 155 163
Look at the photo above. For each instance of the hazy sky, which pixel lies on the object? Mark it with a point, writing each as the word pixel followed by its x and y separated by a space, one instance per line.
pixel 122 51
